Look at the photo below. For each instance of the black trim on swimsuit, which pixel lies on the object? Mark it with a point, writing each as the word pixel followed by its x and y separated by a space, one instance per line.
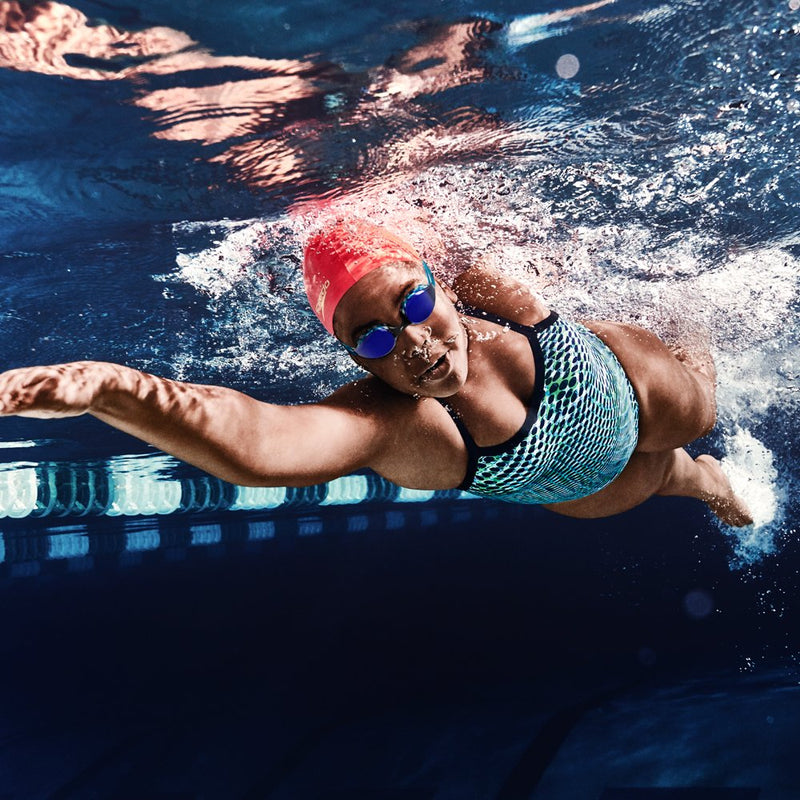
pixel 475 451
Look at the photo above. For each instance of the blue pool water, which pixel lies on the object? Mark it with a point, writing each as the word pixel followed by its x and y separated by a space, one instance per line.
pixel 161 164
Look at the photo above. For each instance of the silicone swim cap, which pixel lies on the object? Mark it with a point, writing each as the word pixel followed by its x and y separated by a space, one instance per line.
pixel 340 255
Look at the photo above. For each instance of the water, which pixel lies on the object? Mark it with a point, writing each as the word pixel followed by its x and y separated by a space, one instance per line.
pixel 633 160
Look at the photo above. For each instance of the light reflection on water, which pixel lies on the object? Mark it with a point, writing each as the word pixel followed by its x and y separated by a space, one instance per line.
pixel 464 90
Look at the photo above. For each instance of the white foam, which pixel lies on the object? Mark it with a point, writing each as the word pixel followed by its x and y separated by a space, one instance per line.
pixel 750 467
pixel 257 327
pixel 216 269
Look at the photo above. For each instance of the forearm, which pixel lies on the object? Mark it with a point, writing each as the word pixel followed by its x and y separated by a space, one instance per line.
pixel 222 431
pixel 216 429
pixel 211 427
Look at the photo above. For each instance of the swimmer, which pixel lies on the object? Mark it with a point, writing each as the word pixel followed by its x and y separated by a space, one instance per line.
pixel 478 386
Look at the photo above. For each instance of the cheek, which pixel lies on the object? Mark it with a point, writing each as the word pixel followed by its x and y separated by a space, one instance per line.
pixel 452 332
pixel 385 368
pixel 402 370
pixel 393 362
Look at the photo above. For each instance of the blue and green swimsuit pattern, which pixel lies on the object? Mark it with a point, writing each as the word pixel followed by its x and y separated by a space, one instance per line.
pixel 581 427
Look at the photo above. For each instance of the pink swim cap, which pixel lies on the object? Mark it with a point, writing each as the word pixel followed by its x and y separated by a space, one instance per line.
pixel 341 254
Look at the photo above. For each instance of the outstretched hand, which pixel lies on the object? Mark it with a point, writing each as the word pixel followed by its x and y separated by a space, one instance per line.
pixel 64 390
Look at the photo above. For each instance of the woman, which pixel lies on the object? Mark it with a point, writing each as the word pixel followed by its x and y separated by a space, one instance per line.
pixel 502 398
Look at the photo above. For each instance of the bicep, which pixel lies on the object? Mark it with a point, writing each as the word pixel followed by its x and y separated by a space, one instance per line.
pixel 362 425
pixel 314 443
pixel 366 425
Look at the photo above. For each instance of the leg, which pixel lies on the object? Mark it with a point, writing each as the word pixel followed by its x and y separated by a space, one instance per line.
pixel 670 472
pixel 677 399
pixel 704 479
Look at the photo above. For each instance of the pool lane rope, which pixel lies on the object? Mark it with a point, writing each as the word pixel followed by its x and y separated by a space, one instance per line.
pixel 131 486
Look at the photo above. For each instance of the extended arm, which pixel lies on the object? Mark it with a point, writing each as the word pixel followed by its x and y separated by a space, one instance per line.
pixel 222 431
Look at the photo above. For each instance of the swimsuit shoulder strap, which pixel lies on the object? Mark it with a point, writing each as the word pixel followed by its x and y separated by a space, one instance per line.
pixel 474 451
pixel 525 330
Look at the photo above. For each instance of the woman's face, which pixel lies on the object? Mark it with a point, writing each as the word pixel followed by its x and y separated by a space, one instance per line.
pixel 429 359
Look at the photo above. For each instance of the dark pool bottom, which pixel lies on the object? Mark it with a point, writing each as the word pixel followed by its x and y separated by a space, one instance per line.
pixel 477 651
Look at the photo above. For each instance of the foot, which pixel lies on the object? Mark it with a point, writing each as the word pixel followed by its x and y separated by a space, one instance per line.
pixel 721 499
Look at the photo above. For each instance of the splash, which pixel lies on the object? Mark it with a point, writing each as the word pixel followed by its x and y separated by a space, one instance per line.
pixel 695 290
pixel 750 467
pixel 257 332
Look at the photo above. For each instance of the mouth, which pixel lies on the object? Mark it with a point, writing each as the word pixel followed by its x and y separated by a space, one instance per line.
pixel 435 370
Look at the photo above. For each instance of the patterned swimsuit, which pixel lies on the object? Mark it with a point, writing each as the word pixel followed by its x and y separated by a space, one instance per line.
pixel 581 427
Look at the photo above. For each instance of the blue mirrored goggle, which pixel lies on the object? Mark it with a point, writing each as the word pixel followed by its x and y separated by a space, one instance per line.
pixel 379 340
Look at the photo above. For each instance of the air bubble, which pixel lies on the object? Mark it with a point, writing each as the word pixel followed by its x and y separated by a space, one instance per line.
pixel 568 65
pixel 698 604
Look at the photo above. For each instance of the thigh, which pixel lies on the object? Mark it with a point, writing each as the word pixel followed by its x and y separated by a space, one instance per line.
pixel 676 403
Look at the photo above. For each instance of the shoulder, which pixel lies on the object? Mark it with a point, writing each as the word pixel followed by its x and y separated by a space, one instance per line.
pixel 413 441
pixel 374 401
pixel 490 289
pixel 371 398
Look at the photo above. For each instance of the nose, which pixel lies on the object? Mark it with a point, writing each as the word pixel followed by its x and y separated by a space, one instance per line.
pixel 417 339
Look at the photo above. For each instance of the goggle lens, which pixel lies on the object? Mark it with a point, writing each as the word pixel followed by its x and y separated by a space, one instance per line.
pixel 418 306
pixel 376 343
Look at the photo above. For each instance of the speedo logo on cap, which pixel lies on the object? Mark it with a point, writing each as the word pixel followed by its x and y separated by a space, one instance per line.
pixel 323 293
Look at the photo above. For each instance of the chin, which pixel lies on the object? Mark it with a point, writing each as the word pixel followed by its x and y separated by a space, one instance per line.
pixel 451 385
